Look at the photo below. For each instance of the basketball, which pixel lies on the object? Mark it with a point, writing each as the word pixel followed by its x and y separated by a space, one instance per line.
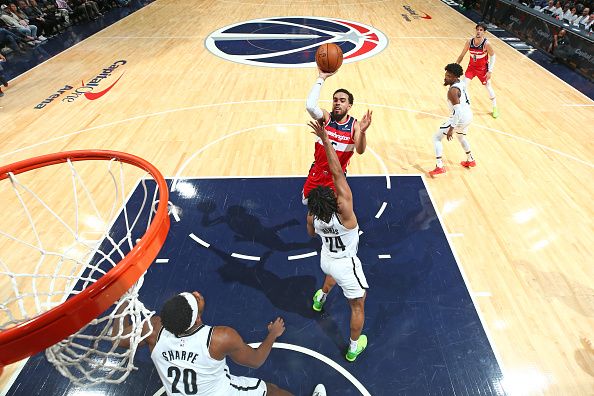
pixel 329 57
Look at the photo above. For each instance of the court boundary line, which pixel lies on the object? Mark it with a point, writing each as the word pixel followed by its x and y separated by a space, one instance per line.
pixel 467 284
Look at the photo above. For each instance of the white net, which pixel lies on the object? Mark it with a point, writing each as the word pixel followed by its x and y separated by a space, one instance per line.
pixel 64 226
pixel 92 355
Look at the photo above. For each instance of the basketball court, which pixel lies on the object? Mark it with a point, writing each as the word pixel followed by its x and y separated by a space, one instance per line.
pixel 480 279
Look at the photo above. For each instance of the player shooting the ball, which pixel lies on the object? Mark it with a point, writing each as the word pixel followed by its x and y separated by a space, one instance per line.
pixel 346 134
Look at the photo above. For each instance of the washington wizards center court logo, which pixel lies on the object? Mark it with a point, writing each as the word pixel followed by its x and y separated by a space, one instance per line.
pixel 293 41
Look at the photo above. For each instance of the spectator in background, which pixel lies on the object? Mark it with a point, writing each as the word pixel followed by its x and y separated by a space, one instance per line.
pixel 539 4
pixel 46 24
pixel 589 25
pixel 564 10
pixel 582 19
pixel 64 10
pixel 560 47
pixel 2 78
pixel 467 5
pixel 570 15
pixel 20 25
pixel 488 11
pixel 87 8
pixel 10 39
pixel 557 12
pixel 549 8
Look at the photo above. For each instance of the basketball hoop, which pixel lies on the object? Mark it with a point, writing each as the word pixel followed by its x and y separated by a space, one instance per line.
pixel 97 268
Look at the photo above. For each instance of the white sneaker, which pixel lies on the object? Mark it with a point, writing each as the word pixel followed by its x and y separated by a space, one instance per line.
pixel 41 38
pixel 320 390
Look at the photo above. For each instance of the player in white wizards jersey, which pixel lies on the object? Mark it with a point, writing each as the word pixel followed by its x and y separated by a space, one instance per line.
pixel 460 119
pixel 190 356
pixel 331 216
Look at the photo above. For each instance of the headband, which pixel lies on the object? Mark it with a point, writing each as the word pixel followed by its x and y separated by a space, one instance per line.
pixel 193 306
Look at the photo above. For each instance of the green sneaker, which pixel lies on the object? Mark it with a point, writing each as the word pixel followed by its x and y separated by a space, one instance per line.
pixel 361 345
pixel 495 112
pixel 317 304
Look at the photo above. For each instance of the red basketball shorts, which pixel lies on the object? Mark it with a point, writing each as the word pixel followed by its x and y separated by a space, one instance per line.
pixel 472 72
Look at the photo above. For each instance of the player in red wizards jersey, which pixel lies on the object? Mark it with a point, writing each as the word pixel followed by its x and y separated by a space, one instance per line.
pixel 482 61
pixel 345 133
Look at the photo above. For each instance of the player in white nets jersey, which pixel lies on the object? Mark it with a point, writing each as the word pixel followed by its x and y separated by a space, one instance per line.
pixel 190 356
pixel 459 104
pixel 331 216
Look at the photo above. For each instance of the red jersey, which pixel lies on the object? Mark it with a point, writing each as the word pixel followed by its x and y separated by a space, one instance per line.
pixel 479 58
pixel 341 137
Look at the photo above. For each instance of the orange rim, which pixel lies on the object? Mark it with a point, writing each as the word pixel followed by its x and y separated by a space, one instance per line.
pixel 35 335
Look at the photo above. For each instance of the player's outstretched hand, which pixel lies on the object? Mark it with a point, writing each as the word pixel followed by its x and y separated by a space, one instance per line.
pixel 277 327
pixel 318 129
pixel 366 121
pixel 324 75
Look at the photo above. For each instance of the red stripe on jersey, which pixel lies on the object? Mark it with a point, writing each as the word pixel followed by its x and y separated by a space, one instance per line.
pixel 321 161
pixel 479 57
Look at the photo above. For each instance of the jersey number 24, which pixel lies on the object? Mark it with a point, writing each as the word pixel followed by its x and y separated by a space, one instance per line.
pixel 334 242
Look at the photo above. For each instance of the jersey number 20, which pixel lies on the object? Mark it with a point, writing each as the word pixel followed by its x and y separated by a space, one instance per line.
pixel 189 378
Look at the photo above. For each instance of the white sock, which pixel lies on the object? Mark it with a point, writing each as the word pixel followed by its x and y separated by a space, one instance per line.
pixel 438 162
pixel 491 93
pixel 438 147
pixel 353 346
pixel 469 157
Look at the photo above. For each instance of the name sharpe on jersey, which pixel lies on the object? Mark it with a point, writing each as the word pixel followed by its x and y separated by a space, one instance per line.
pixel 179 355
pixel 330 231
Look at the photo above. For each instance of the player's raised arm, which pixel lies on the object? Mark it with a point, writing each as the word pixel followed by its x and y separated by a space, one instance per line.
pixel 343 191
pixel 360 130
pixel 311 104
pixel 466 47
pixel 227 342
